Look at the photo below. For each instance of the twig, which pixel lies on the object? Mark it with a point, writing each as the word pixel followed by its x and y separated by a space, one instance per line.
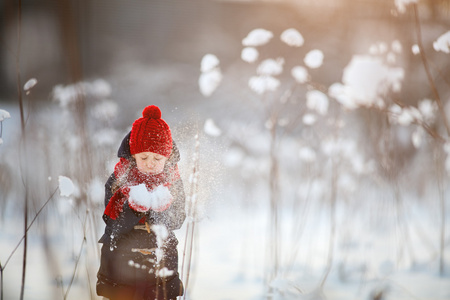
pixel 28 228
pixel 78 258
pixel 427 69
pixel 333 198
pixel 447 126
pixel 442 205
pixel 19 87
pixel 22 122
pixel 274 198
pixel 191 214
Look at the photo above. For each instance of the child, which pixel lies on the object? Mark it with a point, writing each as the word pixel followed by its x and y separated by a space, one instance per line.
pixel 144 202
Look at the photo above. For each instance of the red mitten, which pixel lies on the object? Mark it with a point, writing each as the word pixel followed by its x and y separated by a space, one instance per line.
pixel 115 204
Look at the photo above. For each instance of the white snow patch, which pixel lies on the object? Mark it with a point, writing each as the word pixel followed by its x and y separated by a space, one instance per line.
pixel 300 74
pixel 209 62
pixel 415 49
pixel 234 157
pixel 156 199
pixel 66 186
pixel 262 84
pixel 366 80
pixel 443 43
pixel 292 37
pixel 29 84
pixel 307 154
pixel 69 94
pixel 271 67
pixel 309 119
pixel 96 190
pixel 105 110
pixel 403 116
pixel 318 101
pixel 249 54
pixel 396 46
pixel 428 109
pixel 211 128
pixel 257 37
pixel 99 88
pixel 209 80
pixel 314 59
pixel 401 4
pixel 4 115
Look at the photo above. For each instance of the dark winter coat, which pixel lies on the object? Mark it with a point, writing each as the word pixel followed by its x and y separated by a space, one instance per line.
pixel 128 260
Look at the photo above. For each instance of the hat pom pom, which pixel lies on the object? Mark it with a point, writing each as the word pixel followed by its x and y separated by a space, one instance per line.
pixel 152 112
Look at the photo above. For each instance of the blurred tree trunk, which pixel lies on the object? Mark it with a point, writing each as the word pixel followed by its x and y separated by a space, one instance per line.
pixel 70 16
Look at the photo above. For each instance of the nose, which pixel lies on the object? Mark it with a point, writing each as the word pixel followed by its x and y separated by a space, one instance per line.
pixel 151 164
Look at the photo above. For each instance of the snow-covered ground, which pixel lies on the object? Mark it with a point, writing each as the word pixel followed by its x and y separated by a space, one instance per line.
pixel 231 254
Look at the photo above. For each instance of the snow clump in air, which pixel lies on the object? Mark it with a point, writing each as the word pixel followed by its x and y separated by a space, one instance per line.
pixel 415 49
pixel 257 37
pixel 249 54
pixel 292 37
pixel 314 59
pixel 164 272
pixel 210 76
pixel 443 43
pixel 162 234
pixel 66 186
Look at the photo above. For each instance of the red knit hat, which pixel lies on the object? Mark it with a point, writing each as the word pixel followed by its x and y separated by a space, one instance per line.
pixel 151 133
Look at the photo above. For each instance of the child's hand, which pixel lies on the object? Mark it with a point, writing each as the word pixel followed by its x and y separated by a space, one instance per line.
pixel 142 200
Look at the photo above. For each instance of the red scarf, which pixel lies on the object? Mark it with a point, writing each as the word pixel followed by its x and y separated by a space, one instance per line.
pixel 135 177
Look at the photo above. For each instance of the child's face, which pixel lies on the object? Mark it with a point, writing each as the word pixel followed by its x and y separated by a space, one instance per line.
pixel 149 162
